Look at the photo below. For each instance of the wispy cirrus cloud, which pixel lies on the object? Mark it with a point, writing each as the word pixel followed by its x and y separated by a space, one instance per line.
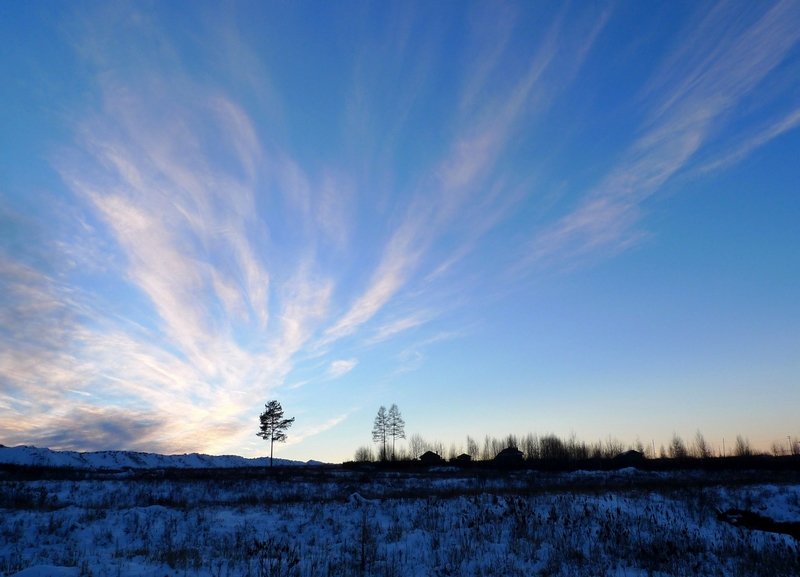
pixel 185 228
pixel 43 373
pixel 220 237
pixel 397 326
pixel 230 317
pixel 301 434
pixel 413 356
pixel 752 142
pixel 466 176
pixel 341 367
pixel 722 59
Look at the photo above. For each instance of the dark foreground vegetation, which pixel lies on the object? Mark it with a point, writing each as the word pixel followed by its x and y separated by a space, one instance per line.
pixel 406 518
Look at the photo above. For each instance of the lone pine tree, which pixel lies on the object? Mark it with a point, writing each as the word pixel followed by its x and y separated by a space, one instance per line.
pixel 273 425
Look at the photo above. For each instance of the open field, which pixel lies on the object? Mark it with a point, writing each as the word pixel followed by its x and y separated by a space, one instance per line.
pixel 366 521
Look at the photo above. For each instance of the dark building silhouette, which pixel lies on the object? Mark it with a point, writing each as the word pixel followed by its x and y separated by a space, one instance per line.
pixel 629 458
pixel 509 456
pixel 430 457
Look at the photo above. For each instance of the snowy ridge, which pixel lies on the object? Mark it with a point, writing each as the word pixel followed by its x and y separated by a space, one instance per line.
pixel 24 455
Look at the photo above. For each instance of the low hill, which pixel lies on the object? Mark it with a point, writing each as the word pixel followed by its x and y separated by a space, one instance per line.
pixel 115 460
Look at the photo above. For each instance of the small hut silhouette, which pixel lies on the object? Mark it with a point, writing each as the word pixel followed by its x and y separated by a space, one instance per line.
pixel 629 458
pixel 509 456
pixel 430 457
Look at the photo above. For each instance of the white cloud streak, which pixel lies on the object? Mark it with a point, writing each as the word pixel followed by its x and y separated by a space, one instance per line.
pixel 462 179
pixel 718 64
pixel 341 367
pixel 774 130
pixel 389 330
pixel 307 432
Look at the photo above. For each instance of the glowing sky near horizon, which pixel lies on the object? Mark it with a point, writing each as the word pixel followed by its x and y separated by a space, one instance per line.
pixel 504 217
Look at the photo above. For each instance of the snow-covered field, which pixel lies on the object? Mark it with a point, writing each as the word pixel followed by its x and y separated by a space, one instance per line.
pixel 332 521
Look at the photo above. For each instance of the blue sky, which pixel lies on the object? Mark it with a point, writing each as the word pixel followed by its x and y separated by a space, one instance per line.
pixel 503 217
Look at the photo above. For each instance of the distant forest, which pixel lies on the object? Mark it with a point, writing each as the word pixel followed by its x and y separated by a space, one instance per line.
pixel 552 447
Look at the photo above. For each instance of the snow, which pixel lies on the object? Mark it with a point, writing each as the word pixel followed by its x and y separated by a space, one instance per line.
pixel 48 571
pixel 778 503
pixel 117 460
pixel 356 499
pixel 331 521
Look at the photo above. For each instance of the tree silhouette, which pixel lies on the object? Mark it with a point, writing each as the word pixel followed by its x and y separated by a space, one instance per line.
pixel 677 449
pixel 273 425
pixel 363 454
pixel 396 426
pixel 417 445
pixel 701 448
pixel 743 448
pixel 380 430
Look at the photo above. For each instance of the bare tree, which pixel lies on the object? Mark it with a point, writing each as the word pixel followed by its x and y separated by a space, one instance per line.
pixel 576 449
pixel 452 452
pixel 486 454
pixel 677 449
pixel 551 447
pixel 613 447
pixel 743 448
pixel 472 448
pixel 273 425
pixel 380 430
pixel 417 445
pixel 511 441
pixel 530 446
pixel 396 426
pixel 701 450
pixel 364 454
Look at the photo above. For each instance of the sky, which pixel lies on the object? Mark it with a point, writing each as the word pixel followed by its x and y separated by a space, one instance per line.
pixel 503 217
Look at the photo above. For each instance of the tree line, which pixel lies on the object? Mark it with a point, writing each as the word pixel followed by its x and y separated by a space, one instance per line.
pixel 389 427
pixel 553 447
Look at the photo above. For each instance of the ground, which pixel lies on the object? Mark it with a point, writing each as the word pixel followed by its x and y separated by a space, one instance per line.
pixel 446 521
